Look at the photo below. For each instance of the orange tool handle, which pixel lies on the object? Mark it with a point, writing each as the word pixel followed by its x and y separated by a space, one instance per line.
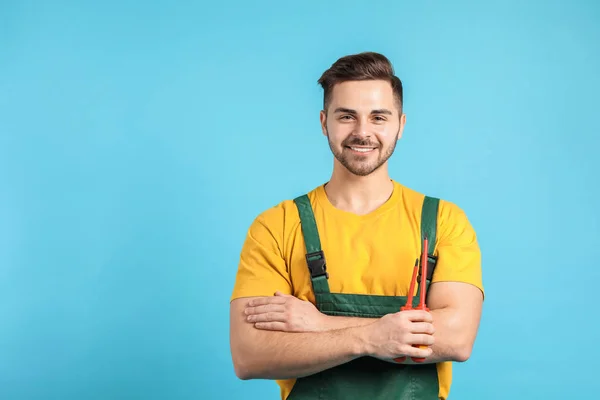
pixel 421 305
pixel 409 299
pixel 415 359
pixel 419 359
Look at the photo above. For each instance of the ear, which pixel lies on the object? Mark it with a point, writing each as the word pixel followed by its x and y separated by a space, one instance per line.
pixel 323 119
pixel 402 123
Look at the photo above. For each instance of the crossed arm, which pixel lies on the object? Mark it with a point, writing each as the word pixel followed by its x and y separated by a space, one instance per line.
pixel 282 337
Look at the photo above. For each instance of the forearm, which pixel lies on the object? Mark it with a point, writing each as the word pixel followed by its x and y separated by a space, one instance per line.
pixel 284 355
pixel 340 322
pixel 450 344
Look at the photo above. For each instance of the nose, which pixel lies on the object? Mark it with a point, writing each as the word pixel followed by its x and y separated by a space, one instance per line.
pixel 362 128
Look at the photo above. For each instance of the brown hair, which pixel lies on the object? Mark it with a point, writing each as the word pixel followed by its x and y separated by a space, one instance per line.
pixel 360 67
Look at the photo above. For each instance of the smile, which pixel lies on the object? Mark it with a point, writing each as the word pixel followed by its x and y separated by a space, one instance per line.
pixel 361 149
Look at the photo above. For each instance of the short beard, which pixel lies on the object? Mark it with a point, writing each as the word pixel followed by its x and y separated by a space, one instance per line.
pixel 361 168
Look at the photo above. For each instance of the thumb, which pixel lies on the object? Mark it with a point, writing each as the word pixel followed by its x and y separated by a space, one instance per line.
pixel 278 293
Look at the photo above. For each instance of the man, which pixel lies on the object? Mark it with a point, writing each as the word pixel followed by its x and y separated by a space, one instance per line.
pixel 322 278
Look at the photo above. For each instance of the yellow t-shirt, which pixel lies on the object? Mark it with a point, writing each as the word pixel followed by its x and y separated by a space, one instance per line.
pixel 366 254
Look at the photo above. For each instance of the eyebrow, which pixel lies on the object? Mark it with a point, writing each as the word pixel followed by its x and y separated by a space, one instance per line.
pixel 350 111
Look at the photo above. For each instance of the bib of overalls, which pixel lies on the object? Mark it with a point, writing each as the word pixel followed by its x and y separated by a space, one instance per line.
pixel 365 378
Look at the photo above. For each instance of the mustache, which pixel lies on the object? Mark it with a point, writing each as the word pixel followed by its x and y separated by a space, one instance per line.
pixel 358 142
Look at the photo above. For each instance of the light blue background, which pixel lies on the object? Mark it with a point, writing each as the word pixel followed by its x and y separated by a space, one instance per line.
pixel 138 142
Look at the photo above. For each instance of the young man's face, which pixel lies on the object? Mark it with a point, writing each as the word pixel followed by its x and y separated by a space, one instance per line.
pixel 362 124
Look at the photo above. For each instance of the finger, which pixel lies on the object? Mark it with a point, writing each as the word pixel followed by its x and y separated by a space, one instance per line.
pixel 423 339
pixel 268 317
pixel 419 315
pixel 261 301
pixel 271 326
pixel 281 294
pixel 265 309
pixel 422 327
pixel 417 352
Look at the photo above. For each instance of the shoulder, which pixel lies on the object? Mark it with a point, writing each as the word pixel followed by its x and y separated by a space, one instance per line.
pixel 280 218
pixel 284 210
pixel 449 214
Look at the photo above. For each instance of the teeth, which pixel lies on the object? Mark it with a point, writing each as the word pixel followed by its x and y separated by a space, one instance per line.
pixel 361 149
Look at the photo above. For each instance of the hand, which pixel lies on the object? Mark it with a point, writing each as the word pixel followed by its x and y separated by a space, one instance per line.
pixel 286 313
pixel 394 335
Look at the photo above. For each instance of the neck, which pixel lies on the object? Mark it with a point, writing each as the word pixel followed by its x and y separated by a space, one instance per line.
pixel 359 194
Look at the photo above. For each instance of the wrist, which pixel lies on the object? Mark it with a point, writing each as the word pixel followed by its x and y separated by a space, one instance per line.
pixel 325 323
pixel 362 345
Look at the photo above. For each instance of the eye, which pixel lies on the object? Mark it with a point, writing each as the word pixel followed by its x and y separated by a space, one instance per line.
pixel 345 117
pixel 379 118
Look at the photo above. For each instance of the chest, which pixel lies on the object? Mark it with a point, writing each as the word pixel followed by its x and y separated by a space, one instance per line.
pixel 374 258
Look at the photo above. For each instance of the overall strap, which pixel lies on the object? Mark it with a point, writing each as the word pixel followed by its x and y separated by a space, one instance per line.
pixel 429 216
pixel 315 258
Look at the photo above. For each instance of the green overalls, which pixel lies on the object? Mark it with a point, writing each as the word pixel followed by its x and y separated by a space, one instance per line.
pixel 365 378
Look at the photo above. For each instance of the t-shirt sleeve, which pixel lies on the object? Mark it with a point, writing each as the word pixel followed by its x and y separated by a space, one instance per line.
pixel 262 270
pixel 458 252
